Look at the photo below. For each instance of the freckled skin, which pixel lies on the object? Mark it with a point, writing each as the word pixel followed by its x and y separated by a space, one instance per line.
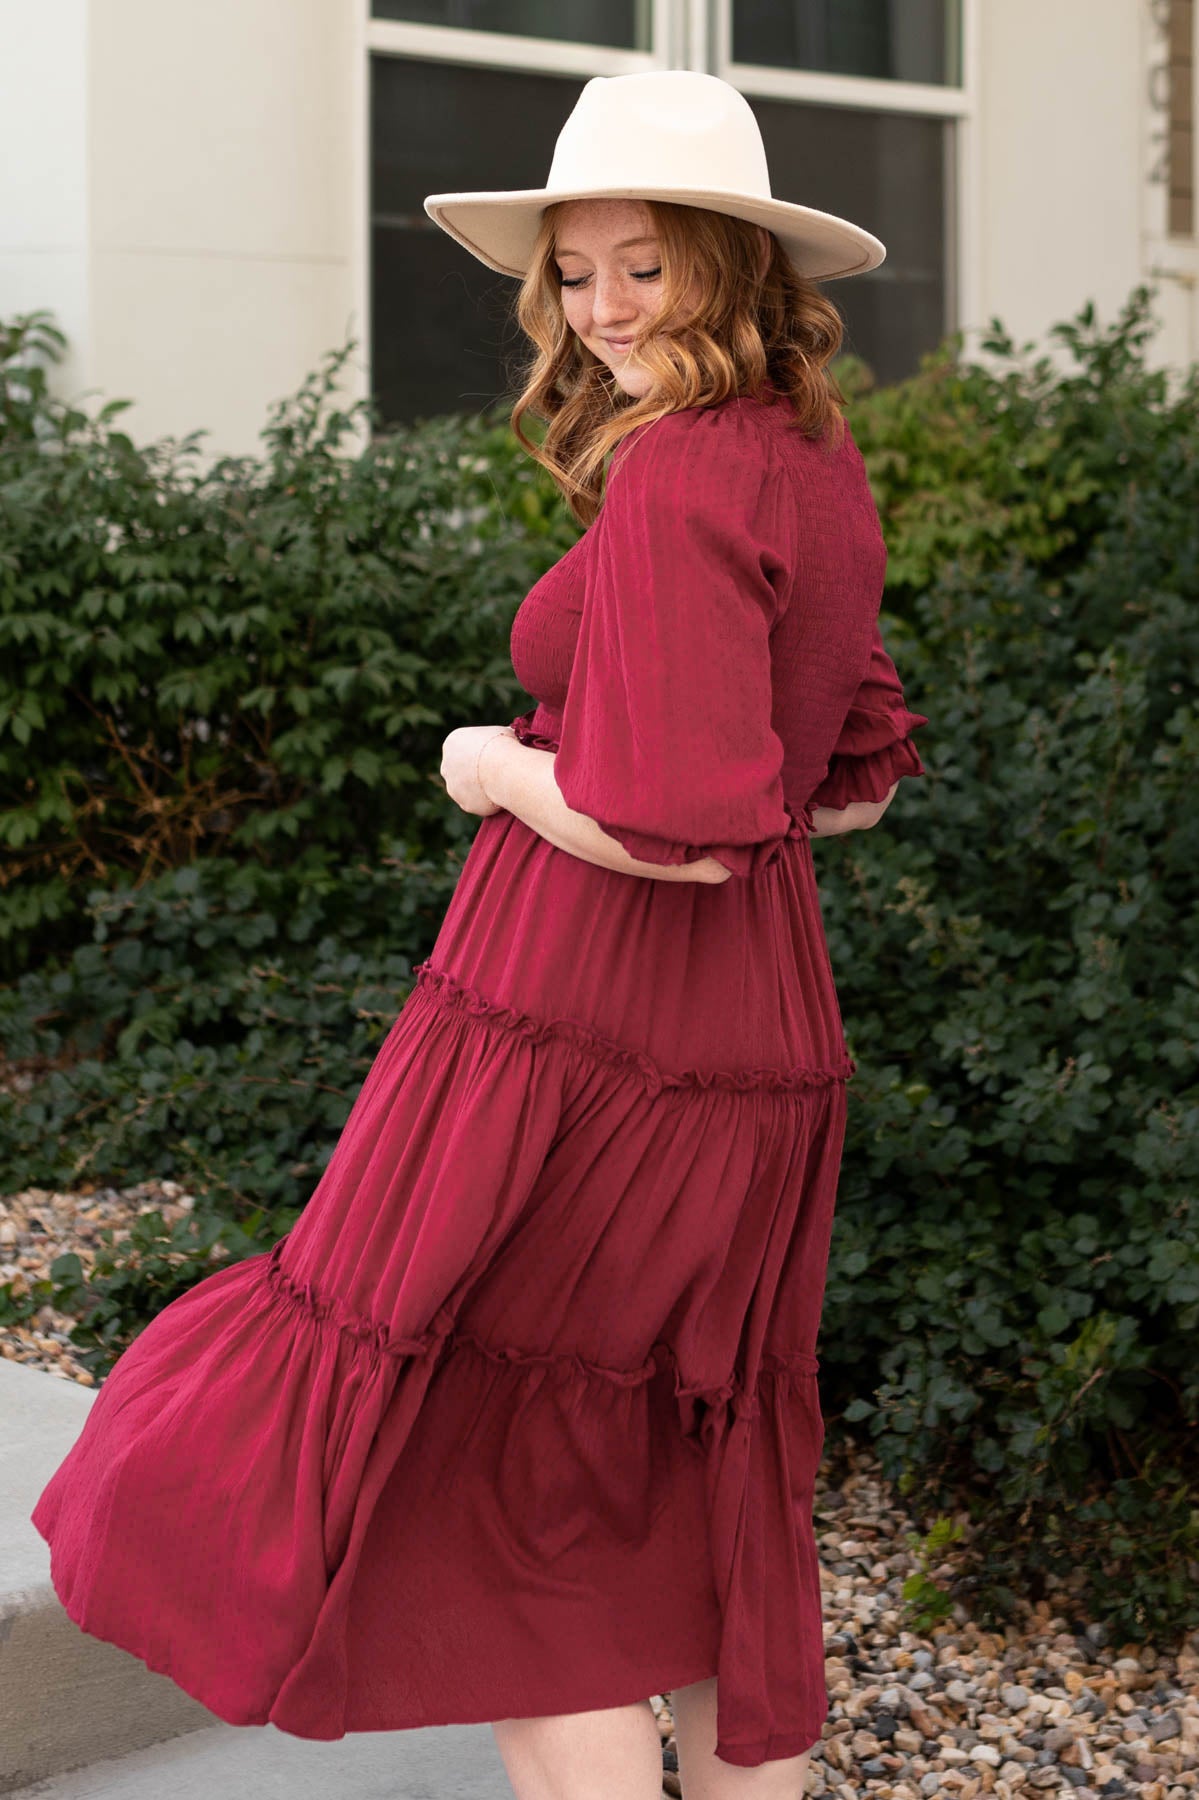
pixel 620 290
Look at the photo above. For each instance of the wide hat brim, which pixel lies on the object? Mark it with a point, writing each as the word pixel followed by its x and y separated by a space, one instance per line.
pixel 500 228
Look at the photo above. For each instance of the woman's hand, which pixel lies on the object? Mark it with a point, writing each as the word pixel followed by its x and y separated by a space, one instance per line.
pixel 460 755
pixel 859 815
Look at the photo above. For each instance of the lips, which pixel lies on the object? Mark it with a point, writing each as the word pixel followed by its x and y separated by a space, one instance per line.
pixel 618 343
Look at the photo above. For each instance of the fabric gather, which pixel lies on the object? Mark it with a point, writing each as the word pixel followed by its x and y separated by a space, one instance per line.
pixel 455 993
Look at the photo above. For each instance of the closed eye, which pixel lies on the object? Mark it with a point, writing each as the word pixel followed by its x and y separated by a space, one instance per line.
pixel 638 275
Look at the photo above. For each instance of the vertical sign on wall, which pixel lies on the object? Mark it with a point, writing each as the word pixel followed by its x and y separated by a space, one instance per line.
pixel 1170 78
pixel 1169 250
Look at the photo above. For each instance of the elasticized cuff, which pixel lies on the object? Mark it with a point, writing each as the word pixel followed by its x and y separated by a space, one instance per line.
pixel 868 774
pixel 742 860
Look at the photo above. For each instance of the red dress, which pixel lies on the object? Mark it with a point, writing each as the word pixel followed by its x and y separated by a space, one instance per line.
pixel 521 1417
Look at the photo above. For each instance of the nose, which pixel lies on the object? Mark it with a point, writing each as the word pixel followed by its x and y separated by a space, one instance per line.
pixel 611 304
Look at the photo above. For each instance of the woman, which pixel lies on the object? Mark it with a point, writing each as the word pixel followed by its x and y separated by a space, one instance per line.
pixel 520 1422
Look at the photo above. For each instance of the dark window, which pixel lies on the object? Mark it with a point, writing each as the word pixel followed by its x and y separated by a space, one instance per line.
pixel 443 339
pixel 884 171
pixel 621 24
pixel 893 40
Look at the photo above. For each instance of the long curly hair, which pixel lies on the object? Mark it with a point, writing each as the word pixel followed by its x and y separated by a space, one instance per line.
pixel 746 327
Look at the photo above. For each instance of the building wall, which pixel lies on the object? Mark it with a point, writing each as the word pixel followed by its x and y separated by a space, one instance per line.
pixel 1066 209
pixel 190 212
pixel 43 158
pixel 219 189
pixel 184 185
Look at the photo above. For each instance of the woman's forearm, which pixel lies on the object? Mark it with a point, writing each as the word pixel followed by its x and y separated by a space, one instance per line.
pixel 520 778
pixel 859 815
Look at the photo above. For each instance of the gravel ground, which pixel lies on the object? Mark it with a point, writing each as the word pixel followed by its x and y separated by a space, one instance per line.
pixel 1050 1706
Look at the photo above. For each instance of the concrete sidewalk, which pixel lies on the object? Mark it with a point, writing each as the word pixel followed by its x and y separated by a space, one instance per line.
pixel 451 1762
pixel 82 1720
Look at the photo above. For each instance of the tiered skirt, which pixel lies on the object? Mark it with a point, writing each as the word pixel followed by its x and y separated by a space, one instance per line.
pixel 522 1416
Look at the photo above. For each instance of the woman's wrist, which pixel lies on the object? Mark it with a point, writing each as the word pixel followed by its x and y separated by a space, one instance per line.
pixel 489 774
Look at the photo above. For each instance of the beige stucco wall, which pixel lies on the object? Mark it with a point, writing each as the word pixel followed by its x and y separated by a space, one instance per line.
pixel 185 185
pixel 43 153
pixel 1066 211
pixel 204 252
pixel 221 201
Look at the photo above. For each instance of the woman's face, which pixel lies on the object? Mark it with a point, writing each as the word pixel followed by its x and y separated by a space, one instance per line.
pixel 608 261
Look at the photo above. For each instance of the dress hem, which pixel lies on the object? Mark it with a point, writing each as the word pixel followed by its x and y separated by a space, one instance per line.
pixel 741 1755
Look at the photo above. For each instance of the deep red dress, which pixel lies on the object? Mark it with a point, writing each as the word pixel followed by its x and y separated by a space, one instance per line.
pixel 522 1416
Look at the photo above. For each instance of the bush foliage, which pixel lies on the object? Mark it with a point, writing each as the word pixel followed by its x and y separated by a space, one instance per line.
pixel 222 698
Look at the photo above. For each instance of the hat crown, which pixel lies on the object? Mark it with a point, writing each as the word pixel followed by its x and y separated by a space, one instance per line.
pixel 662 128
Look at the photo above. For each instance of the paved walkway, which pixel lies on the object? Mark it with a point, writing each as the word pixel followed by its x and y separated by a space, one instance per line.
pixel 452 1762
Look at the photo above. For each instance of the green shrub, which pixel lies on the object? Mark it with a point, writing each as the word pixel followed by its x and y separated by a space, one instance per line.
pixel 256 660
pixel 1013 1296
pixel 208 932
pixel 215 1030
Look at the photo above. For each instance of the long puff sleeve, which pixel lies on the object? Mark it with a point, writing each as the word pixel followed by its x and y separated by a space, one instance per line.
pixel 874 747
pixel 666 738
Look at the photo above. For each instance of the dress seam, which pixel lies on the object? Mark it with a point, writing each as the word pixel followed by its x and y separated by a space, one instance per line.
pixel 446 989
pixel 376 1338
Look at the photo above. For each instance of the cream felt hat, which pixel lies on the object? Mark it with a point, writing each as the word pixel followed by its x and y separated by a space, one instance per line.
pixel 664 134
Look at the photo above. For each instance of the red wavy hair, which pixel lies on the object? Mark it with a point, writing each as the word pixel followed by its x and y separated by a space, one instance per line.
pixel 749 324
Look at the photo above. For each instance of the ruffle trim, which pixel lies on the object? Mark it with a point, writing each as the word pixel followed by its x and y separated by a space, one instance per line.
pixel 538 739
pixel 739 1395
pixel 873 752
pixel 375 1336
pixel 452 992
pixel 742 860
